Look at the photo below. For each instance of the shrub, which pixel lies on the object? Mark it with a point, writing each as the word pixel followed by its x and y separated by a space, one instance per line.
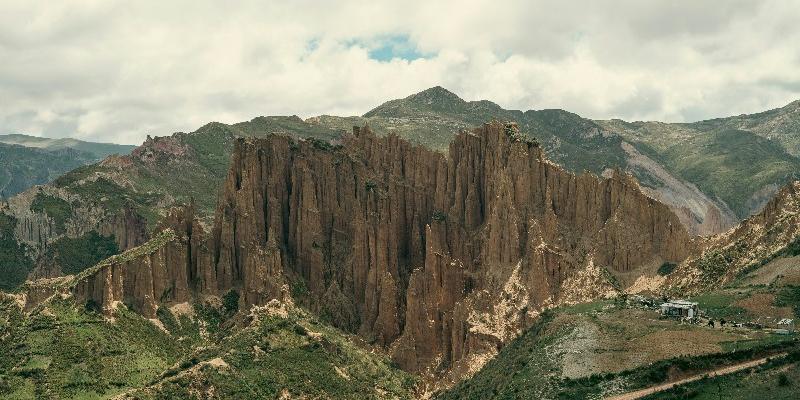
pixel 783 380
pixel 512 131
pixel 666 268
pixel 91 306
pixel 230 301
pixel 320 144
pixel 299 289
pixel 439 216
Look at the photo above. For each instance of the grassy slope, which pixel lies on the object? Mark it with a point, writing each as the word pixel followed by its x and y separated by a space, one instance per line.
pixel 283 354
pixel 731 165
pixel 68 351
pixel 780 124
pixel 776 380
pixel 531 366
pixel 61 351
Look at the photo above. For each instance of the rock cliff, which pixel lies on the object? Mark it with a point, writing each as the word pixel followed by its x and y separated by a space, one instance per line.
pixel 771 233
pixel 440 259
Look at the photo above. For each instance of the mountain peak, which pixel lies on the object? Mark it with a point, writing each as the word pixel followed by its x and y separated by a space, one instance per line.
pixel 436 99
pixel 436 93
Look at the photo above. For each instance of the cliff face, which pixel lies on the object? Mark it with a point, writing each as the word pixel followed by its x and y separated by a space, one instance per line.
pixel 439 259
pixel 38 229
pixel 757 239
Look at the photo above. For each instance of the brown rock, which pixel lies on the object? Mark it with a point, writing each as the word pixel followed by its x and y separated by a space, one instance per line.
pixel 437 258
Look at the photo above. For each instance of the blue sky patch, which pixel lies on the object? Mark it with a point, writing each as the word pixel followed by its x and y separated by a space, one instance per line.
pixel 390 47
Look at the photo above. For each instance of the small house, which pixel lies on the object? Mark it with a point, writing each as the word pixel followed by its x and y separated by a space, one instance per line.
pixel 787 325
pixel 679 309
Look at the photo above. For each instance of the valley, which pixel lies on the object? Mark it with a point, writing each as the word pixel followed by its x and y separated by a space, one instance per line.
pixel 431 248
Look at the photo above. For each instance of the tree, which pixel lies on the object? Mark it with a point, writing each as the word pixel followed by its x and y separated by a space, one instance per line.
pixel 230 301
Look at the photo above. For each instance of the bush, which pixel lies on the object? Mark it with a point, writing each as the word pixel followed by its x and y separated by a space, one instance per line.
pixel 299 290
pixel 666 268
pixel 320 144
pixel 783 380
pixel 91 306
pixel 230 301
pixel 439 216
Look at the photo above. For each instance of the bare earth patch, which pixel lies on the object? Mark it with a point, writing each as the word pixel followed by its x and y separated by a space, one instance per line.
pixel 782 271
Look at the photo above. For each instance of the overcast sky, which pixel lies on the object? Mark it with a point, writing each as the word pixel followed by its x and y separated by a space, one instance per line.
pixel 117 71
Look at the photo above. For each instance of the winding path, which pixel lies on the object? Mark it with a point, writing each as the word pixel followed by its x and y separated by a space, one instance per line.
pixel 717 372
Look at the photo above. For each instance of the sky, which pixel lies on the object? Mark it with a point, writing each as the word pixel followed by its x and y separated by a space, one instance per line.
pixel 116 71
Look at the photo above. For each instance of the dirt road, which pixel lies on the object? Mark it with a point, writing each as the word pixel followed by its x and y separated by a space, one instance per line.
pixel 717 372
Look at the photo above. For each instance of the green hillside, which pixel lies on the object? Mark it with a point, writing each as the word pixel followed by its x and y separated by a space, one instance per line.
pixel 731 165
pixel 602 349
pixel 287 353
pixel 62 351
pixel 66 351
pixel 777 380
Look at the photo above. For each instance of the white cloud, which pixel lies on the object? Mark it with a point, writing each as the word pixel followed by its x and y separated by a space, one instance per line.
pixel 116 71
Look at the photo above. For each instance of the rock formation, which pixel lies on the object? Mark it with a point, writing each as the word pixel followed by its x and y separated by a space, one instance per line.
pixel 440 259
pixel 757 239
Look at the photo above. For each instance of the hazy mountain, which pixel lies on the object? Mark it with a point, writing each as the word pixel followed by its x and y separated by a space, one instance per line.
pixel 26 161
pixel 98 150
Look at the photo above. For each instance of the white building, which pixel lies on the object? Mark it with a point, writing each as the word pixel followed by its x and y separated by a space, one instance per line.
pixel 679 309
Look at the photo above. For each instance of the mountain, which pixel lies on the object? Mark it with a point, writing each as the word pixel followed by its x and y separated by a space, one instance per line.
pixel 742 168
pixel 98 150
pixel 737 256
pixel 26 161
pixel 709 178
pixel 712 173
pixel 124 196
pixel 748 276
pixel 364 257
pixel 437 261
pixel 24 167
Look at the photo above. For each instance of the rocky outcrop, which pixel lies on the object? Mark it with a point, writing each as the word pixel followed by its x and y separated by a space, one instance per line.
pixel 128 228
pixel 38 229
pixel 437 258
pixel 756 240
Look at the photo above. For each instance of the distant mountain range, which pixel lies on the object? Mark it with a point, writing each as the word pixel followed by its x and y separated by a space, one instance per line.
pixel 26 161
